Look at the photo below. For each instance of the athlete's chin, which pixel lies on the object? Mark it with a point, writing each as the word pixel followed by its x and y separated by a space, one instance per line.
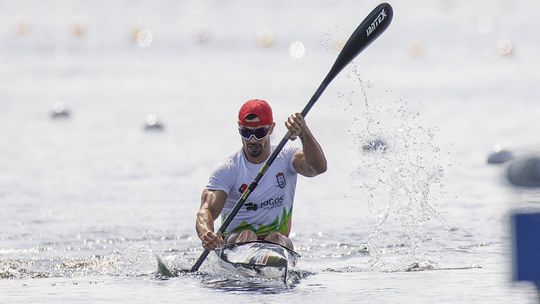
pixel 254 153
pixel 254 150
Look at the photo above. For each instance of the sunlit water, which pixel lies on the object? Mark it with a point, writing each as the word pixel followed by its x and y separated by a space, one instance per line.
pixel 88 201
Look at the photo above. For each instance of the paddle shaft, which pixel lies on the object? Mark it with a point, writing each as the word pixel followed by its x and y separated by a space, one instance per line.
pixel 370 28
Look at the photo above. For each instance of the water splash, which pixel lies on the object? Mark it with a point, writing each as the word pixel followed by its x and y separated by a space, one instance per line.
pixel 94 265
pixel 401 183
pixel 132 261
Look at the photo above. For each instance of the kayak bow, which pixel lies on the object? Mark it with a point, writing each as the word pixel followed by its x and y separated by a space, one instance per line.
pixel 258 258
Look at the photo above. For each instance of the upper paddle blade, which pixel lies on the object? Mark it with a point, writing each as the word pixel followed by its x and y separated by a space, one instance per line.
pixel 372 27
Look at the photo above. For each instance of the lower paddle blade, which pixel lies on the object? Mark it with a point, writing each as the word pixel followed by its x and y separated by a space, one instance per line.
pixel 163 271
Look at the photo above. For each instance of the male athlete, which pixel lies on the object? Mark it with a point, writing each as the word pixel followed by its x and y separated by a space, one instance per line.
pixel 266 215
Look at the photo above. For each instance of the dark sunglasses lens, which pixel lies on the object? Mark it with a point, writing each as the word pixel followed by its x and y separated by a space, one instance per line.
pixel 245 133
pixel 259 133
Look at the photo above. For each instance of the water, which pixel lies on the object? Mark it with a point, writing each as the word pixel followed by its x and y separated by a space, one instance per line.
pixel 88 201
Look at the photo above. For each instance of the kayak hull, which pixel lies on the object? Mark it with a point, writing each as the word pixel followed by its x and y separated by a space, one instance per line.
pixel 258 258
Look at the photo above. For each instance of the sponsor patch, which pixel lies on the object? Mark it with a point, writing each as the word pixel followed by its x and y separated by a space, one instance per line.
pixel 280 177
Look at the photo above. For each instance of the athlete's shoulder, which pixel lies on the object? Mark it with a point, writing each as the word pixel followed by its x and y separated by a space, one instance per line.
pixel 229 162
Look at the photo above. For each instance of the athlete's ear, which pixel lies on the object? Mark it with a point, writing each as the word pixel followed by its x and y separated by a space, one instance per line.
pixel 272 128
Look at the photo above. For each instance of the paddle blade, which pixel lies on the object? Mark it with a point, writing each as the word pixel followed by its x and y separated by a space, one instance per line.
pixel 370 29
pixel 163 271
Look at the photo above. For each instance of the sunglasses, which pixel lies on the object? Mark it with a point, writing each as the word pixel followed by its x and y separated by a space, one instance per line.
pixel 259 133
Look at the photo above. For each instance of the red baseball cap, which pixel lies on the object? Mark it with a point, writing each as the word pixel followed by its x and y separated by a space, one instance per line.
pixel 257 107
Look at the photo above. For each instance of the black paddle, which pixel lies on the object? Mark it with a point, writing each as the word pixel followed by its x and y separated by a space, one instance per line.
pixel 371 28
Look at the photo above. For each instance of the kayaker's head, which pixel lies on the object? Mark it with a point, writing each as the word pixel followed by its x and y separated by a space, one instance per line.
pixel 255 124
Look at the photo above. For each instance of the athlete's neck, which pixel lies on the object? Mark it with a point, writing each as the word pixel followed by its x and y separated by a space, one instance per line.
pixel 257 159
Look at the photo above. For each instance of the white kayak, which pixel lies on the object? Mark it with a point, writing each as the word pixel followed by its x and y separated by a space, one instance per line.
pixel 258 258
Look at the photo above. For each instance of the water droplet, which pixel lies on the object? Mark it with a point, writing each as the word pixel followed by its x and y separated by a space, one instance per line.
pixel 144 38
pixel 504 47
pixel 297 49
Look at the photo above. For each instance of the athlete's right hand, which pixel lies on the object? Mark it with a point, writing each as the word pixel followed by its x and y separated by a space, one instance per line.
pixel 211 241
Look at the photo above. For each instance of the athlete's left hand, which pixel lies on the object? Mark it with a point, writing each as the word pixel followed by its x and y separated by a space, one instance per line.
pixel 295 124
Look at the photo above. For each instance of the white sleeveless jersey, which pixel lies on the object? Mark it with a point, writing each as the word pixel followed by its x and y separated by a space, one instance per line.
pixel 269 207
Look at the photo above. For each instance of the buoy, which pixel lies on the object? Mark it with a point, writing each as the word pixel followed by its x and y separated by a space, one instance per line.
pixel 60 111
pixel 152 123
pixel 500 156
pixel 524 172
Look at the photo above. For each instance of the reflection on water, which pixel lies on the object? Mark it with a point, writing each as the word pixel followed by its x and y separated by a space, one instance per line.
pixel 240 283
pixel 247 285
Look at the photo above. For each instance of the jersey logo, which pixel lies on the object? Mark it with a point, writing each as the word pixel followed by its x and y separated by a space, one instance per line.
pixel 251 207
pixel 242 188
pixel 280 177
pixel 268 204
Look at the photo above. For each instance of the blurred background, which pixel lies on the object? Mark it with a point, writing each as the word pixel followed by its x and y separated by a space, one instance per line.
pixel 113 113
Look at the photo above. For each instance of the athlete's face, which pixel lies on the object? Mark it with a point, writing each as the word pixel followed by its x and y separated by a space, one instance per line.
pixel 256 139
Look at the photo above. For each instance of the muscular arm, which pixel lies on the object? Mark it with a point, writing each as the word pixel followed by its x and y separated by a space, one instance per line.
pixel 311 160
pixel 212 202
